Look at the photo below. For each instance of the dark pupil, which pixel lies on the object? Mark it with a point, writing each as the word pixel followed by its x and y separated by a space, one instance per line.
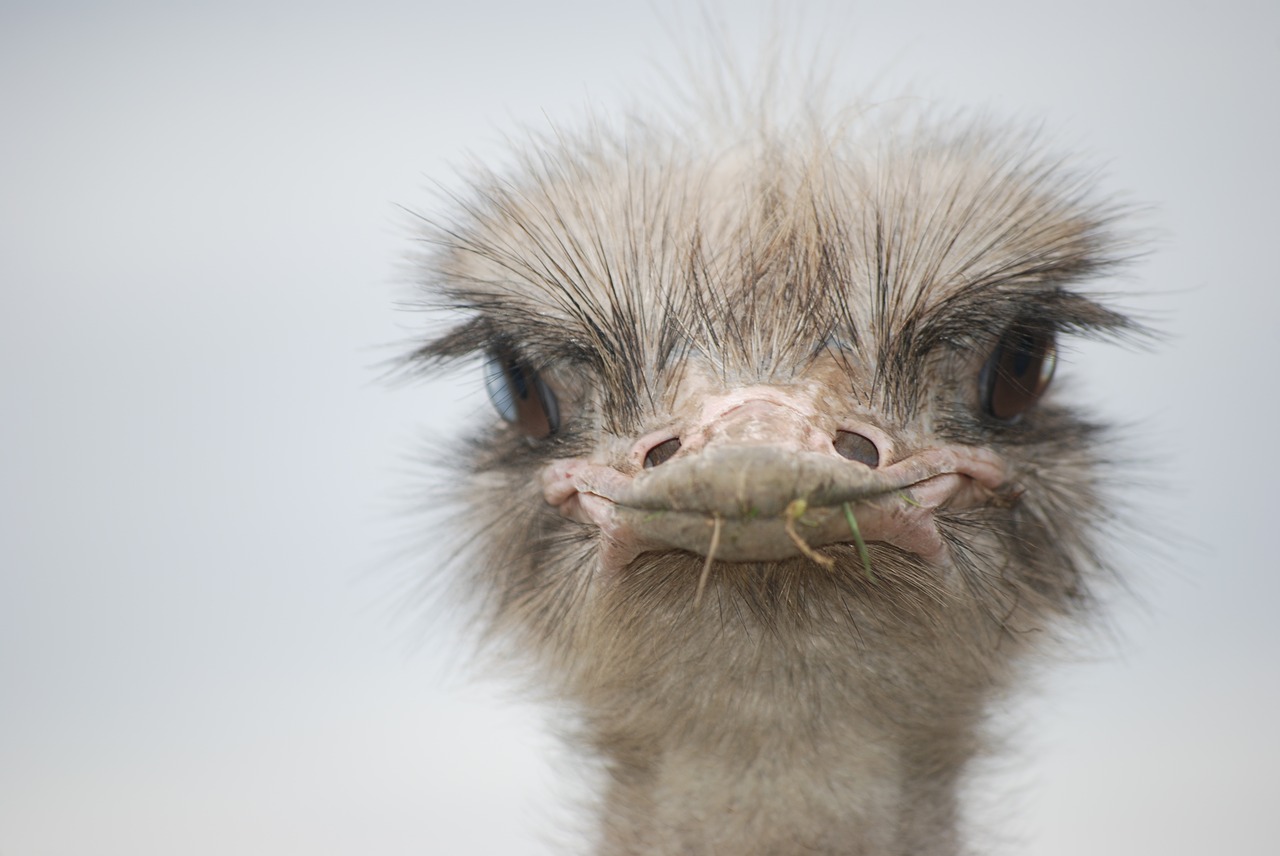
pixel 1024 358
pixel 515 376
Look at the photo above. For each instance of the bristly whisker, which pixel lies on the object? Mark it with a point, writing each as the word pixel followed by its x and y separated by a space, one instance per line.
pixel 711 558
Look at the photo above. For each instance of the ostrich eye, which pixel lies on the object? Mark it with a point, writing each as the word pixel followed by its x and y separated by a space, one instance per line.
pixel 520 395
pixel 1017 373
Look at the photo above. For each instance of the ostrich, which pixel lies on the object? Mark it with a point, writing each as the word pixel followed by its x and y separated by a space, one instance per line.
pixel 777 496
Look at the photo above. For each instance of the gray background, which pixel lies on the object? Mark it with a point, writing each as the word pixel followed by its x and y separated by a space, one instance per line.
pixel 210 640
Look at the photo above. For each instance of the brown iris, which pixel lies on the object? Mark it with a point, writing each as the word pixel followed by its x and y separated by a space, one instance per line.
pixel 1018 372
pixel 521 396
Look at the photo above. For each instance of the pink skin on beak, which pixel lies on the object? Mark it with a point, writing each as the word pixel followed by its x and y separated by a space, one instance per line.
pixel 754 464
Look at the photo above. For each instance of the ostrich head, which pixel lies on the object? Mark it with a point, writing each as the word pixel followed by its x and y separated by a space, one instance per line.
pixel 778 494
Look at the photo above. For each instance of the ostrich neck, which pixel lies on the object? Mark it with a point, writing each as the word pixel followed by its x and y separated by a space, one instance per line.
pixel 805 777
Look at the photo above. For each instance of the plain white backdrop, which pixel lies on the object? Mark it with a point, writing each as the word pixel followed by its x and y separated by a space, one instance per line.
pixel 208 639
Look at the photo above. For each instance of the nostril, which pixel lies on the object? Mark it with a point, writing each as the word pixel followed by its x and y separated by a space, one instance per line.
pixel 661 453
pixel 858 448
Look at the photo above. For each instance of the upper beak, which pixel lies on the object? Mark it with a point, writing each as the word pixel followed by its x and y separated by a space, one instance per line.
pixel 760 479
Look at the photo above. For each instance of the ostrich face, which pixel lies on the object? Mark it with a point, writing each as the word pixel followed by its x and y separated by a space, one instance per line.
pixel 785 391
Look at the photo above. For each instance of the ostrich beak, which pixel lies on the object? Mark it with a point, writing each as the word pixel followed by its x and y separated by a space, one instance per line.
pixel 757 479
